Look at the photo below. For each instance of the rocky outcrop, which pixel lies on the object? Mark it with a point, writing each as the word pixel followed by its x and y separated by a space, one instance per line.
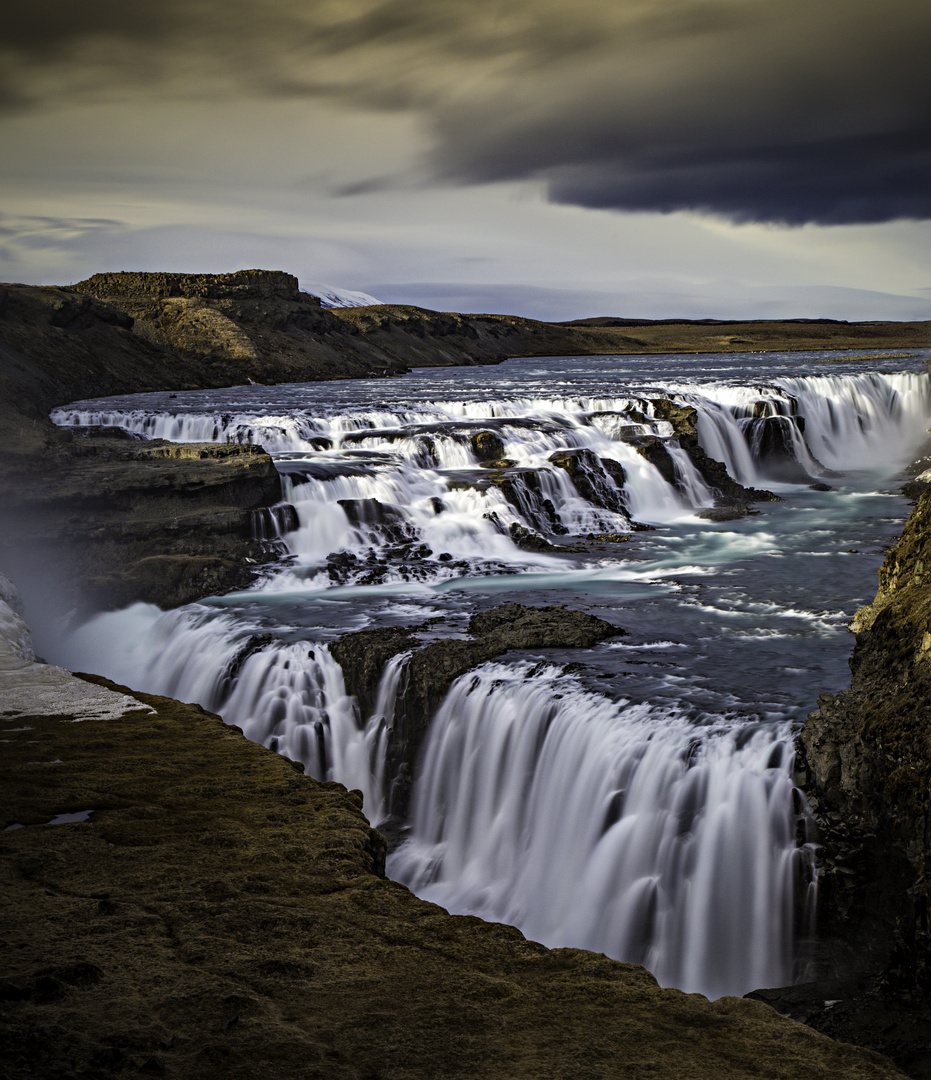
pixel 866 760
pixel 598 480
pixel 250 325
pixel 732 496
pixel 92 520
pixel 180 902
pixel 433 668
pixel 105 522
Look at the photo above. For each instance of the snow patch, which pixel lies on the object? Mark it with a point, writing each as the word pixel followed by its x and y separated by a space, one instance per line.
pixel 333 297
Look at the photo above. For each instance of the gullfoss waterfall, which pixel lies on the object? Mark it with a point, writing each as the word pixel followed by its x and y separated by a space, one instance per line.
pixel 636 797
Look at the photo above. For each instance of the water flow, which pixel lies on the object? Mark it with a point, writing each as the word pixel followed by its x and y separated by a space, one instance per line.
pixel 625 824
pixel 288 696
pixel 798 427
pixel 377 483
pixel 610 826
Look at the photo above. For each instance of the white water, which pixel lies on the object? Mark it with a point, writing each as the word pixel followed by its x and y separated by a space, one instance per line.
pixel 518 812
pixel 289 697
pixel 850 422
pixel 372 478
pixel 609 826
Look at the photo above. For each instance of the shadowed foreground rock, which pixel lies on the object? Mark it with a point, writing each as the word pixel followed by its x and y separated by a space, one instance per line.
pixel 219 915
pixel 867 754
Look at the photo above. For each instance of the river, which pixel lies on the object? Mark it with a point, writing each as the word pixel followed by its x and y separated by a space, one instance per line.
pixel 636 798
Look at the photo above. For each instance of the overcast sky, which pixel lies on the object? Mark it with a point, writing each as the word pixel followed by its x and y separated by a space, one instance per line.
pixel 555 158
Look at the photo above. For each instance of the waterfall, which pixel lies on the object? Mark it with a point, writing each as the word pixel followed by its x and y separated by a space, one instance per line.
pixel 627 826
pixel 288 696
pixel 610 826
pixel 851 422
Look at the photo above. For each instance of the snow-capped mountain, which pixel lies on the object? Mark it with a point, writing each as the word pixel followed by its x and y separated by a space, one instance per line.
pixel 330 297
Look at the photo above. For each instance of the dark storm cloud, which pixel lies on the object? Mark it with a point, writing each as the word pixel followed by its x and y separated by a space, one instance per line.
pixel 48 26
pixel 774 110
pixel 868 178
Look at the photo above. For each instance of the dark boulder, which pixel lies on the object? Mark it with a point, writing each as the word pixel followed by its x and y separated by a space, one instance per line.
pixel 591 479
pixel 487 446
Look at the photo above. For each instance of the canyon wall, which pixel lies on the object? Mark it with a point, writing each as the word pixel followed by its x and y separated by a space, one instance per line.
pixel 867 756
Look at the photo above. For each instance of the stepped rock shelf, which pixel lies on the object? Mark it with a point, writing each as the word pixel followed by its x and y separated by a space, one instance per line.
pixel 240 917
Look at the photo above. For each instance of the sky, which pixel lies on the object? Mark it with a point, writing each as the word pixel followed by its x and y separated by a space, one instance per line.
pixel 552 158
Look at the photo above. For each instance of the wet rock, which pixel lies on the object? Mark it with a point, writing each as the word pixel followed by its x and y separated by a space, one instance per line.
pixel 433 668
pixel 523 490
pixel 527 540
pixel 272 522
pixel 516 626
pixel 865 757
pixel 684 421
pixel 591 479
pixel 726 513
pixel 389 520
pixel 363 656
pixel 655 451
pixel 487 446
pixel 773 441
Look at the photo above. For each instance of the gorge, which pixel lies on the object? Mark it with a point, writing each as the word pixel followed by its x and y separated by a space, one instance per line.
pixel 705 521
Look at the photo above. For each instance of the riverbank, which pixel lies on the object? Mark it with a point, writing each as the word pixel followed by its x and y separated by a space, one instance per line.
pixel 238 913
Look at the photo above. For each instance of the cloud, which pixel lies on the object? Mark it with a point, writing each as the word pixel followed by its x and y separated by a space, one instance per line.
pixel 766 110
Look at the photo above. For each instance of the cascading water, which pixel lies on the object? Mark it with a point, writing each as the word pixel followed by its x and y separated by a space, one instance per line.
pixel 610 826
pixel 840 422
pixel 644 805
pixel 290 697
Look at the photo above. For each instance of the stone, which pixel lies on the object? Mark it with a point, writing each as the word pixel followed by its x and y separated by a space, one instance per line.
pixel 865 762
pixel 487 446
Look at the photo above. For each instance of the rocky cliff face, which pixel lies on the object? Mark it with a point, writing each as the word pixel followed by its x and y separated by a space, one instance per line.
pixel 95 520
pixel 251 325
pixel 111 521
pixel 866 756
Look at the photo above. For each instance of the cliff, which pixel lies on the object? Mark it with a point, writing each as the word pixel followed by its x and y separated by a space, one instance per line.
pixel 865 757
pixel 180 902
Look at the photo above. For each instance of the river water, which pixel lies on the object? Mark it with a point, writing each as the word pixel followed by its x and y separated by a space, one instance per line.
pixel 635 798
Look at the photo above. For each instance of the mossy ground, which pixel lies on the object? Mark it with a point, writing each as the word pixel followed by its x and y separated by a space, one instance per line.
pixel 220 915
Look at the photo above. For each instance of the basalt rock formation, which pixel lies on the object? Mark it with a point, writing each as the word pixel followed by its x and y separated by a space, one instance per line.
pixel 94 520
pixel 684 420
pixel 125 520
pixel 253 325
pixel 180 902
pixel 866 767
